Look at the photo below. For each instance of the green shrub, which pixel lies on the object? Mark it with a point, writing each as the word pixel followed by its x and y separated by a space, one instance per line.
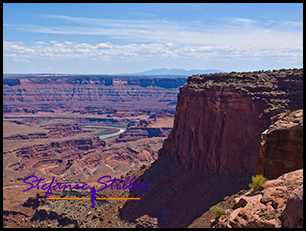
pixel 218 211
pixel 288 112
pixel 258 182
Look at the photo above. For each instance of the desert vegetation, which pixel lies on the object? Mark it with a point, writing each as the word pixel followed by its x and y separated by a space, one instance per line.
pixel 258 182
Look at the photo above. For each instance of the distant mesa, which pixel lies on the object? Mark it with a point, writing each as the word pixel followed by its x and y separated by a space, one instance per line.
pixel 159 72
pixel 175 71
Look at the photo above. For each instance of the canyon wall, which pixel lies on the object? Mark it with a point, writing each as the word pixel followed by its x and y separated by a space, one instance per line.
pixel 219 118
pixel 89 94
pixel 282 145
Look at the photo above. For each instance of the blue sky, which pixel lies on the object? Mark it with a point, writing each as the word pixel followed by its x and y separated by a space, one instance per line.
pixel 107 38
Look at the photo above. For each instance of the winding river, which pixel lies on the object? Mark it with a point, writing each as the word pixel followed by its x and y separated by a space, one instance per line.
pixel 121 130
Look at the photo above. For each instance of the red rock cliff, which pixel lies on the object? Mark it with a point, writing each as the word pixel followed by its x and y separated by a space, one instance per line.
pixel 219 118
pixel 282 145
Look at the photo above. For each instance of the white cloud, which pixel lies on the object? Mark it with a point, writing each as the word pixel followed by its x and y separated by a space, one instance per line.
pixel 56 50
pixel 17 50
pixel 40 42
pixel 293 23
pixel 243 22
pixel 236 38
pixel 231 32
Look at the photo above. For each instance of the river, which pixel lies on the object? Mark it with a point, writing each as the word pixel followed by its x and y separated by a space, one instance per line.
pixel 121 130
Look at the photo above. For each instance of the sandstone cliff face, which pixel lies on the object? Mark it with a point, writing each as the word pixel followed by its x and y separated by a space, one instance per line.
pixel 214 130
pixel 219 118
pixel 282 145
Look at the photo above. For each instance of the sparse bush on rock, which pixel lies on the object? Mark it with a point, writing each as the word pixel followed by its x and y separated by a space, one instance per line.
pixel 218 211
pixel 258 182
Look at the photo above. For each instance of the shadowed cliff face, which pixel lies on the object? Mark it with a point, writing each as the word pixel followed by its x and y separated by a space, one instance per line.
pixel 216 130
pixel 177 197
pixel 219 119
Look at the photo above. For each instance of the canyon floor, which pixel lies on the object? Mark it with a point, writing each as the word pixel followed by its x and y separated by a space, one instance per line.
pixel 49 144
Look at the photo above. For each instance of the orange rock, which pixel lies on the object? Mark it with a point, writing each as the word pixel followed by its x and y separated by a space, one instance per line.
pixel 278 205
pixel 282 146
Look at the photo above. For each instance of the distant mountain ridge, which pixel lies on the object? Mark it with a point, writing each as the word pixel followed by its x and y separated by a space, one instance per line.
pixel 154 73
pixel 176 71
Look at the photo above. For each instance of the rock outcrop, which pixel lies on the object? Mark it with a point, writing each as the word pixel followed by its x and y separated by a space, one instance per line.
pixel 59 153
pixel 219 118
pixel 53 131
pixel 136 133
pixel 280 204
pixel 282 145
pixel 141 130
pixel 293 213
pixel 146 221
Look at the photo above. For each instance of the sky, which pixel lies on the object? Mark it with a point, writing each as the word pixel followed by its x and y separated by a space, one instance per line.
pixel 122 38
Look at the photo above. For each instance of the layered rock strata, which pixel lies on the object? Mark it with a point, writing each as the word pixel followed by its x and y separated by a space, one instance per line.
pixel 89 94
pixel 282 145
pixel 219 118
pixel 53 131
pixel 79 158
pixel 59 153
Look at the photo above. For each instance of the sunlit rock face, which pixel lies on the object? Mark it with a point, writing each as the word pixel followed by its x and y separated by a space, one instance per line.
pixel 219 118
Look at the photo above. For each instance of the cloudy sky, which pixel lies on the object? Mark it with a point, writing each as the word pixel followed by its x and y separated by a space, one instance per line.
pixel 128 38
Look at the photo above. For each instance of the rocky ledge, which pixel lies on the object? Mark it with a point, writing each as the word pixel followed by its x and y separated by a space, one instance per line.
pixel 282 145
pixel 279 205
pixel 136 133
